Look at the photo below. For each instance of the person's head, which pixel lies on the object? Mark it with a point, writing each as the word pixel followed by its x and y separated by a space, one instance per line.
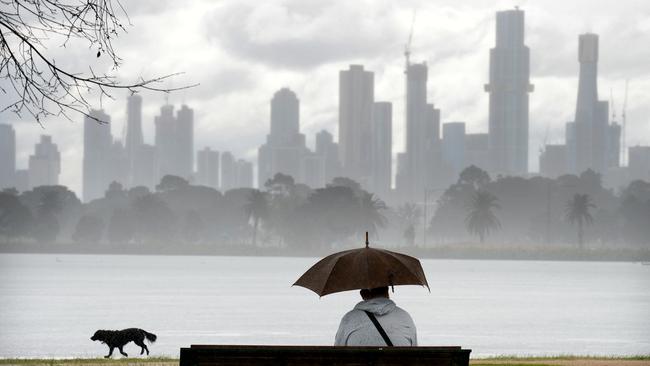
pixel 373 293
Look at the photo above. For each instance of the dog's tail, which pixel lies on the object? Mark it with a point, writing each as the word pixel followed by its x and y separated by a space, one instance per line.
pixel 150 336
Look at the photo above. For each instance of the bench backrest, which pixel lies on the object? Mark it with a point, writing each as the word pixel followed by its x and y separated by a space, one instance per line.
pixel 231 355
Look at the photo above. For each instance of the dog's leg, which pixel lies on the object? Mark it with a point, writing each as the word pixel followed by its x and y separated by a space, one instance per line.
pixel 142 346
pixel 110 353
pixel 146 349
pixel 122 352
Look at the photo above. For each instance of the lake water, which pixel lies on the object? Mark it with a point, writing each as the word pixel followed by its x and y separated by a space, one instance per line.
pixel 51 304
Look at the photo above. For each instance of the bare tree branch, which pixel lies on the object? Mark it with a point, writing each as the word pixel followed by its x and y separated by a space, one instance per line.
pixel 42 88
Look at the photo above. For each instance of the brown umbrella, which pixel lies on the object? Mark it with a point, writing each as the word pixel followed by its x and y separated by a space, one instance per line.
pixel 363 268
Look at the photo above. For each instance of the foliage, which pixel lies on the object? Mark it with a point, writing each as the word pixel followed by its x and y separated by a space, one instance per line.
pixel 15 218
pixel 577 212
pixel 257 209
pixel 41 87
pixel 481 219
pixel 89 229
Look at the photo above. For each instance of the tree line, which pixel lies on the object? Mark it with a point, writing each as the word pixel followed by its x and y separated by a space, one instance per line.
pixel 506 211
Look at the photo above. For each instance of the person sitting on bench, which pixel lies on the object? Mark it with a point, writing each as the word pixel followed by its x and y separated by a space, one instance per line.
pixel 376 321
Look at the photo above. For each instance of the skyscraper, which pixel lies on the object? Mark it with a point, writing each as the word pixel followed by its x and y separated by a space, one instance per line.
pixel 417 114
pixel 7 156
pixel 97 161
pixel 208 168
pixel 328 150
pixel 134 138
pixel 165 124
pixel 591 119
pixel 285 145
pixel 453 146
pixel 356 98
pixel 509 86
pixel 382 147
pixel 45 164
pixel 244 174
pixel 175 142
pixel 229 174
pixel 185 142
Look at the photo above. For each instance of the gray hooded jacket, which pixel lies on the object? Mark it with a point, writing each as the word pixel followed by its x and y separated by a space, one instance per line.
pixel 356 328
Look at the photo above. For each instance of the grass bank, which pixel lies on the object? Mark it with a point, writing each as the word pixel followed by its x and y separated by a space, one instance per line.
pixel 491 361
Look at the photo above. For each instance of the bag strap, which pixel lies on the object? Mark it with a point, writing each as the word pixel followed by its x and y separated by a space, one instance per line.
pixel 379 328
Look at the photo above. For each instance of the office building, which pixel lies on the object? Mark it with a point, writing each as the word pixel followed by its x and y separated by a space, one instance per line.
pixel 382 147
pixel 285 146
pixel 508 88
pixel 44 164
pixel 356 99
pixel 97 160
pixel 207 172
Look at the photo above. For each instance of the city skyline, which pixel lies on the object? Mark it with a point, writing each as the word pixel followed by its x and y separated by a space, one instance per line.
pixel 214 119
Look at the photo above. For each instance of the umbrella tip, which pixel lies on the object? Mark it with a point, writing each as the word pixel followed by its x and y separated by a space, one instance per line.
pixel 367 240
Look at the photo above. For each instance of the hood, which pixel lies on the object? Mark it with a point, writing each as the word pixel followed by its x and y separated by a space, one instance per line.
pixel 378 306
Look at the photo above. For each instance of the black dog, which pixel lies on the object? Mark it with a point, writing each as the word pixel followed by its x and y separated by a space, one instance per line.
pixel 119 338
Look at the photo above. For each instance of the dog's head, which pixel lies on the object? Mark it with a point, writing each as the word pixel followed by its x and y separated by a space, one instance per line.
pixel 99 335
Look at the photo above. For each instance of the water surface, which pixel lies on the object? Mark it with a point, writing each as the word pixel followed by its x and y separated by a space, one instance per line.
pixel 51 304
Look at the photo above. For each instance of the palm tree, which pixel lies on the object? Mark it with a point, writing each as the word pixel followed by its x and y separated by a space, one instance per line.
pixel 257 208
pixel 481 219
pixel 577 211
pixel 371 216
pixel 410 213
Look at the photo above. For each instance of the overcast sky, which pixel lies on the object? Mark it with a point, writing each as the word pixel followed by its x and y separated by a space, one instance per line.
pixel 242 51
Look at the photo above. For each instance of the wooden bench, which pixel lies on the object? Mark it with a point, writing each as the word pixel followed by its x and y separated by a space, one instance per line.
pixel 206 355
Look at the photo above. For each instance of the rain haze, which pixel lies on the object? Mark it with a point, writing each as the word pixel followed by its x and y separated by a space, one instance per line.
pixel 476 170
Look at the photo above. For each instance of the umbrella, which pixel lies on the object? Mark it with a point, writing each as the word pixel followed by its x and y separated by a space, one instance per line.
pixel 363 268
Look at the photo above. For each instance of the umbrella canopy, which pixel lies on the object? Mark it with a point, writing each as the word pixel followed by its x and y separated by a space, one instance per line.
pixel 363 268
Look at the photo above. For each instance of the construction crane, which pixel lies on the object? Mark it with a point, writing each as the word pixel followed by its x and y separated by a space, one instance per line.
pixel 407 46
pixel 624 126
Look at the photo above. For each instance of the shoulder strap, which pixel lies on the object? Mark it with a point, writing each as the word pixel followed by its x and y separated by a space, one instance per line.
pixel 379 328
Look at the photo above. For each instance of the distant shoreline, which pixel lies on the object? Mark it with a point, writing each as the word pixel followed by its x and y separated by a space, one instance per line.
pixel 453 251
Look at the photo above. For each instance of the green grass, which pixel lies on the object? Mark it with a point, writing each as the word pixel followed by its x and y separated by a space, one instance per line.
pixel 507 360
pixel 565 357
pixel 79 361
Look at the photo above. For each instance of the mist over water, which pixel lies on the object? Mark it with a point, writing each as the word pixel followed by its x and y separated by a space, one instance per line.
pixel 50 305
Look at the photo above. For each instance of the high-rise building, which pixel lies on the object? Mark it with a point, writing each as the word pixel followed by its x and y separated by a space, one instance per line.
pixel 134 138
pixel 356 98
pixel 229 174
pixel 613 147
pixel 146 173
pixel 553 161
pixel 312 170
pixel 45 164
pixel 477 150
pixel 591 119
pixel 244 174
pixel 328 150
pixel 639 162
pixel 509 86
pixel 185 141
pixel 285 146
pixel 7 156
pixel 97 157
pixel 453 146
pixel 175 142
pixel 418 115
pixel 382 147
pixel 207 170
pixel 165 142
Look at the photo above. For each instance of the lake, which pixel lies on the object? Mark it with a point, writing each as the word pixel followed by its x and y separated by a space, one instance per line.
pixel 50 305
